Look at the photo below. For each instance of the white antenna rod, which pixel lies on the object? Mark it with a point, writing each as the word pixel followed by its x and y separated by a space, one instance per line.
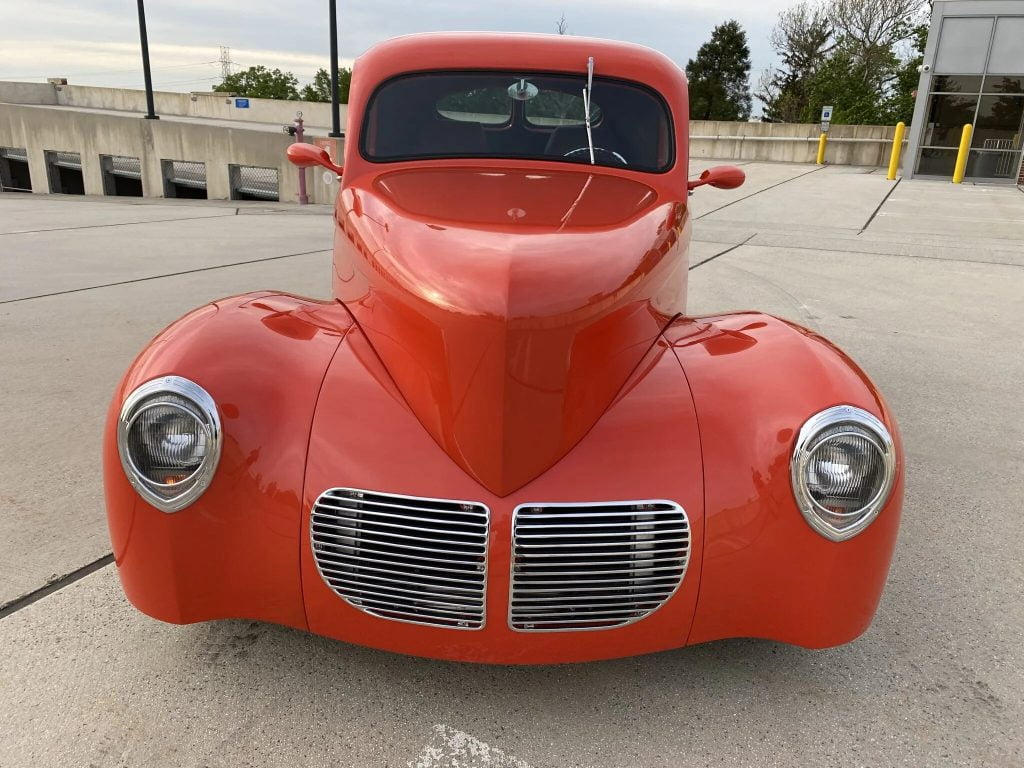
pixel 586 107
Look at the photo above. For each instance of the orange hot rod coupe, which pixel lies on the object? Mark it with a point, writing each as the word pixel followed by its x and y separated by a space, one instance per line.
pixel 505 440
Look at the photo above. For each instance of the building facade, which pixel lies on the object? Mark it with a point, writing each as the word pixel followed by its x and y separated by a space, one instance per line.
pixel 973 72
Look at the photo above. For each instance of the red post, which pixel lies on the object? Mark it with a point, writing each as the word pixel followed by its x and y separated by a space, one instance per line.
pixel 303 197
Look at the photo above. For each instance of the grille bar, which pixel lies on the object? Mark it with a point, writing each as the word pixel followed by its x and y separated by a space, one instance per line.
pixel 404 558
pixel 594 565
pixel 373 516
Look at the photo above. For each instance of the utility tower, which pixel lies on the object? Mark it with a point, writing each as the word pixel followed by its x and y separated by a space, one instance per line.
pixel 225 62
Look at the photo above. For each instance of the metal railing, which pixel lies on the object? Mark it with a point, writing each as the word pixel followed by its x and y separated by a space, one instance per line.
pixel 249 182
pixel 184 178
pixel 14 170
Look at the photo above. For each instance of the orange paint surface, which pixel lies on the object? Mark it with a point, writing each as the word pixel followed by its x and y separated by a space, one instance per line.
pixel 508 332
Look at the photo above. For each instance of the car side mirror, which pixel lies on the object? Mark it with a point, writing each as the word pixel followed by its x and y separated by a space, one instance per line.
pixel 307 155
pixel 721 176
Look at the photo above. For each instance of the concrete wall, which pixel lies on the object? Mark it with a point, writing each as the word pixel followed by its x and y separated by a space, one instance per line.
pixel 44 128
pixel 42 125
pixel 27 93
pixel 868 145
pixel 213 105
pixel 779 142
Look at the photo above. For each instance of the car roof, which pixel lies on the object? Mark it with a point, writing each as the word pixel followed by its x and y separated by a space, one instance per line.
pixel 518 53
pixel 515 52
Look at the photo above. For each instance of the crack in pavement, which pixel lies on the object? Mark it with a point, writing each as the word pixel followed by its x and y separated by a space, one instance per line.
pixel 754 194
pixel 730 249
pixel 15 605
pixel 168 274
pixel 853 252
pixel 115 224
pixel 884 200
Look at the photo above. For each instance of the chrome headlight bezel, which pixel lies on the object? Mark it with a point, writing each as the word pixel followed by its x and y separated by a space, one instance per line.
pixel 863 424
pixel 200 407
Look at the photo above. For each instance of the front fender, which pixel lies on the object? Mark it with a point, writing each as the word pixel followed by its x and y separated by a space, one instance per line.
pixel 235 551
pixel 755 380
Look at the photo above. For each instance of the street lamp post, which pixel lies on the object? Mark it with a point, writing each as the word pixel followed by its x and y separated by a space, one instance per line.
pixel 147 75
pixel 335 108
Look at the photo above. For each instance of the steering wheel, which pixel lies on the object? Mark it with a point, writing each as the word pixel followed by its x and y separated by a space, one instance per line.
pixel 609 156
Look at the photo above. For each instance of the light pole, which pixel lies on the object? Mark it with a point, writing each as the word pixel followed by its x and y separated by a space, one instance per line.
pixel 335 108
pixel 146 74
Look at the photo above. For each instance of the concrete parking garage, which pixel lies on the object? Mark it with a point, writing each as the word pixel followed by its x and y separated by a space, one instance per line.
pixel 921 282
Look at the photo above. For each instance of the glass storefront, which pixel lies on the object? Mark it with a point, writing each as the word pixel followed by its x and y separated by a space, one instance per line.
pixel 973 74
pixel 994 105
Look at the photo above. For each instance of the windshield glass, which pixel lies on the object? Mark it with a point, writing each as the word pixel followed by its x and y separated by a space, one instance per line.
pixel 514 115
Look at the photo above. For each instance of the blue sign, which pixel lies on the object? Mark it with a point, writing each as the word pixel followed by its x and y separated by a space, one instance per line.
pixel 242 103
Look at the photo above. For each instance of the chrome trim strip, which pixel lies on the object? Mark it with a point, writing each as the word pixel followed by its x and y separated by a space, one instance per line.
pixel 419 564
pixel 443 589
pixel 378 557
pixel 640 547
pixel 596 514
pixel 445 600
pixel 403 506
pixel 375 569
pixel 398 526
pixel 604 553
pixel 585 586
pixel 615 525
pixel 403 546
pixel 581 545
pixel 205 409
pixel 393 516
pixel 385 534
pixel 841 414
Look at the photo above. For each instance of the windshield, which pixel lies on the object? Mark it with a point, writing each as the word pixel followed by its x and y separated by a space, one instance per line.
pixel 515 115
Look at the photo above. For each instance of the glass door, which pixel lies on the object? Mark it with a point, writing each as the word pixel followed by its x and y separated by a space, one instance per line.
pixel 994 105
pixel 996 146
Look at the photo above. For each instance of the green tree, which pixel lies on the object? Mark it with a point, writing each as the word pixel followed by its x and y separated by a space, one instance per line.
pixel 261 83
pixel 842 82
pixel 320 88
pixel 860 56
pixel 866 79
pixel 908 77
pixel 802 38
pixel 720 76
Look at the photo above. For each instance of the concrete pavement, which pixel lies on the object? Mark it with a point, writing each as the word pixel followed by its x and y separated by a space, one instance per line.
pixel 921 282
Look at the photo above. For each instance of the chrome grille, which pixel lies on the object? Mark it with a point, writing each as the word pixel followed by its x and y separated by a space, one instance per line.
pixel 403 557
pixel 594 566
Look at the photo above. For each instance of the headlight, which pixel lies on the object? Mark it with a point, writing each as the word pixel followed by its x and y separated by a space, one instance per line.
pixel 169 441
pixel 843 469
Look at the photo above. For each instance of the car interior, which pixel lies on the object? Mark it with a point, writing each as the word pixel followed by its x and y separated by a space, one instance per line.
pixel 510 115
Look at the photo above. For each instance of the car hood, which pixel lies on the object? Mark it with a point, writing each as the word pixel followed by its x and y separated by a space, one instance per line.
pixel 509 306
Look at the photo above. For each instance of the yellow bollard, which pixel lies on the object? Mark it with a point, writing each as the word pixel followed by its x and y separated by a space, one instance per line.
pixel 822 141
pixel 961 157
pixel 897 149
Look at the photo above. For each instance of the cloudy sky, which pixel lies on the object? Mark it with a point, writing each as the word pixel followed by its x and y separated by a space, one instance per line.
pixel 95 42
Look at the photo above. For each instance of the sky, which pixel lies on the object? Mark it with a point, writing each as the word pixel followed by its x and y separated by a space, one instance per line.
pixel 96 42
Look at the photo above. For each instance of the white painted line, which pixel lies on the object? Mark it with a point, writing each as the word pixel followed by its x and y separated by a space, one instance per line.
pixel 451 748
